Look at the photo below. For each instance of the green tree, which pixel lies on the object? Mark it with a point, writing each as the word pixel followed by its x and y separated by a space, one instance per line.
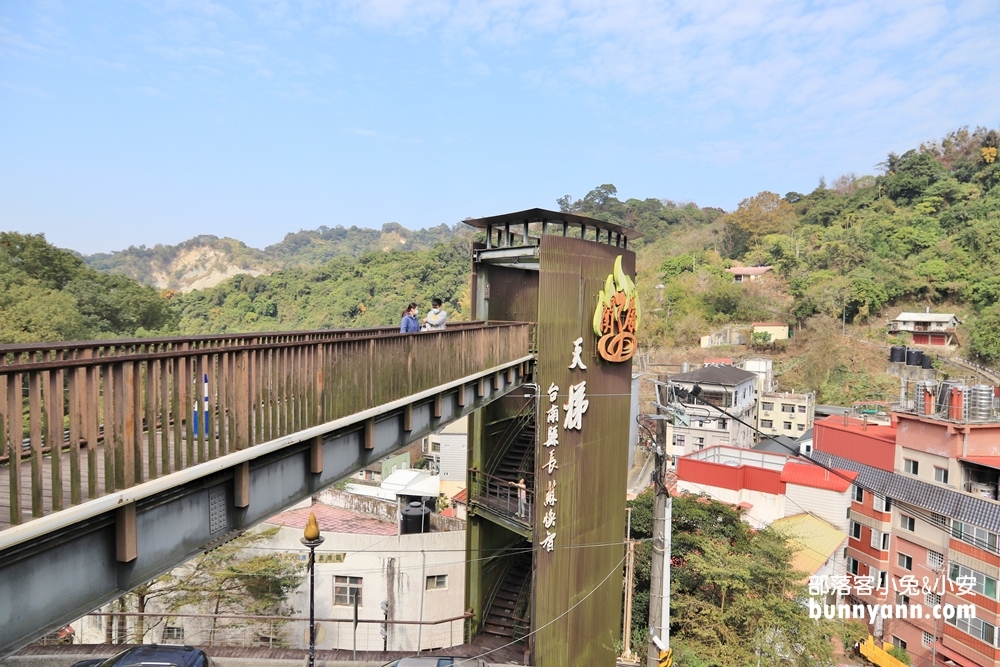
pixel 233 580
pixel 984 336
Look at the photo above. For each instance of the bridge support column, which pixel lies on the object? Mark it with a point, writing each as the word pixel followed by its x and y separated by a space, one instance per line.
pixel 316 455
pixel 369 433
pixel 241 484
pixel 126 535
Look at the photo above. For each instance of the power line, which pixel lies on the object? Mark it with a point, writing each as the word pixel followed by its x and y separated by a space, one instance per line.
pixel 560 616
pixel 916 511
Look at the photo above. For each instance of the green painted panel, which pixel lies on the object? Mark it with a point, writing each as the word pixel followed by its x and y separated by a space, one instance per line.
pixel 578 585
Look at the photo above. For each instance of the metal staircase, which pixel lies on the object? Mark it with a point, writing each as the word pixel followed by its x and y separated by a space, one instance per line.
pixel 508 603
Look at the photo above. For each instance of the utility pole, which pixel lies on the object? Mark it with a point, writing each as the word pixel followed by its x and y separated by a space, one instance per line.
pixel 659 653
pixel 629 585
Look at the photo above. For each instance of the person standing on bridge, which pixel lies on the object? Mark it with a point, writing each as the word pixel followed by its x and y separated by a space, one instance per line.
pixel 436 318
pixel 410 324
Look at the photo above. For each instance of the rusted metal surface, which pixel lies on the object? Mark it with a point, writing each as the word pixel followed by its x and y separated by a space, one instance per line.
pixel 513 293
pixel 146 399
pixel 583 572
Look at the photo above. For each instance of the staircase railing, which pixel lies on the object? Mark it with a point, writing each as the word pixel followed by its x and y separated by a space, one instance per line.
pixel 510 435
pixel 501 565
pixel 501 496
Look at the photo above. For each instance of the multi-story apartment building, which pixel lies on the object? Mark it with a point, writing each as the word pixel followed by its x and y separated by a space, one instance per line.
pixel 785 413
pixel 924 510
pixel 721 389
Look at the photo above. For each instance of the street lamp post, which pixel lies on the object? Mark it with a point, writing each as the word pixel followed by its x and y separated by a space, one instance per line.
pixel 312 539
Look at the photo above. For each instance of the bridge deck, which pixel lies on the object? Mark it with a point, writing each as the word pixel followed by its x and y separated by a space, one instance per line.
pixel 108 477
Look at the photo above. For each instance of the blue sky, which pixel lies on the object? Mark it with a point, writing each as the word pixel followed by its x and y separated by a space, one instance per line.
pixel 152 121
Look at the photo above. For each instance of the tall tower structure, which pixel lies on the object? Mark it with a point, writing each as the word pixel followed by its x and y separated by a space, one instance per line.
pixel 546 554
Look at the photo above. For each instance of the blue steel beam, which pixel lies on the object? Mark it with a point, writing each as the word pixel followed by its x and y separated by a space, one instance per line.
pixel 59 567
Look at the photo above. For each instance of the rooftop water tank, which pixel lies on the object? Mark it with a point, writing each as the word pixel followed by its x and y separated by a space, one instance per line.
pixel 416 518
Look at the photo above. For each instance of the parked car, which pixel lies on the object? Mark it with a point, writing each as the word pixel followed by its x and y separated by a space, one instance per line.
pixel 436 661
pixel 150 655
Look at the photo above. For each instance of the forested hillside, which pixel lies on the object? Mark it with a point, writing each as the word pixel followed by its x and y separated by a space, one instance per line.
pixel 49 294
pixel 924 232
pixel 367 291
pixel 205 261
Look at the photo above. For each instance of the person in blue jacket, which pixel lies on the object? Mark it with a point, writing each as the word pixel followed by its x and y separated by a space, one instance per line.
pixel 410 324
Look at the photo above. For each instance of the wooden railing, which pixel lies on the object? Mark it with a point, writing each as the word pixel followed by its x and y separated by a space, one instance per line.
pixel 163 404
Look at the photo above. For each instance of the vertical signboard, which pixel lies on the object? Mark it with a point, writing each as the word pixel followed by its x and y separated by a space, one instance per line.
pixel 582 456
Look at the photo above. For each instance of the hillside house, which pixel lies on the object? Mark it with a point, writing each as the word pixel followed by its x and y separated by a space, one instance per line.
pixel 785 413
pixel 928 328
pixel 742 274
pixel 729 388
pixel 777 330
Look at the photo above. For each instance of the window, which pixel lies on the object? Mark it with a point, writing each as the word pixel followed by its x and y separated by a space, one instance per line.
pixel 902 599
pixel 801 427
pixel 346 590
pixel 883 504
pixel 852 565
pixel 905 562
pixel 801 408
pixel 859 494
pixel 788 426
pixel 977 537
pixel 932 599
pixel 437 582
pixel 766 423
pixel 941 475
pixel 172 633
pixel 986 586
pixel 880 540
pixel 767 407
pixel 898 643
pixel 934 560
pixel 700 423
pixel 881 577
pixel 856 530
pixel 910 466
pixel 785 407
pixel 699 441
pixel 906 522
pixel 679 440
pixel 976 627
pixel 927 639
pixel 723 424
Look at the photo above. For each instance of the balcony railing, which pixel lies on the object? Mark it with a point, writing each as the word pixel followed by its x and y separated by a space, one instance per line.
pixel 502 496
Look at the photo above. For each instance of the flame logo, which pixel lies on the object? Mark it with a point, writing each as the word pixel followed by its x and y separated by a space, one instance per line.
pixel 617 316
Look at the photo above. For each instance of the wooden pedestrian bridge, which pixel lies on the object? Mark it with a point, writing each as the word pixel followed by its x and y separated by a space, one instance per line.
pixel 122 459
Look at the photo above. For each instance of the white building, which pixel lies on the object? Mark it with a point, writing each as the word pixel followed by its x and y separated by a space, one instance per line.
pixel 420 577
pixel 720 388
pixel 786 413
pixel 449 451
pixel 927 328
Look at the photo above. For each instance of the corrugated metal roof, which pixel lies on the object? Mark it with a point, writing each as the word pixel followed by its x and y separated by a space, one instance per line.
pixel 808 474
pixel 728 376
pixel 541 214
pixel 988 461
pixel 778 444
pixel 817 541
pixel 952 504
pixel 749 270
pixel 925 317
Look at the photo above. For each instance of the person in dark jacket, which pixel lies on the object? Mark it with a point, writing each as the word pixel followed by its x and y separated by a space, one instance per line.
pixel 410 323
